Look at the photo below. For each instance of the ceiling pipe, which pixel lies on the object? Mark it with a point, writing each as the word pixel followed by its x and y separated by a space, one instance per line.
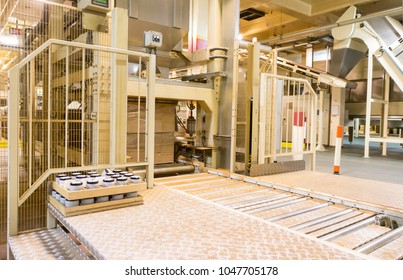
pixel 391 12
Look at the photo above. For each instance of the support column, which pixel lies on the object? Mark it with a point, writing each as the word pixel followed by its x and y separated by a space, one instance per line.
pixel 214 40
pixel 223 31
pixel 368 105
pixel 252 114
pixel 309 56
pixel 356 127
pixel 213 121
pixel 150 125
pixel 234 109
pixel 320 146
pixel 273 103
pixel 118 130
pixel 13 164
pixel 214 33
pixel 385 113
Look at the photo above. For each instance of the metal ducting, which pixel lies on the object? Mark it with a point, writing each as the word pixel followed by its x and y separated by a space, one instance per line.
pixel 346 54
pixel 170 17
pixel 390 32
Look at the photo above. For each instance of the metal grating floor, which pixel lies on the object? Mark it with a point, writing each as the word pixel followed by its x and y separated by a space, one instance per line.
pixel 53 244
pixel 369 191
pixel 174 225
pixel 207 216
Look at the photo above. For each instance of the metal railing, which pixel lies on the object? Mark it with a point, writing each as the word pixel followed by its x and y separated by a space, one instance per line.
pixel 62 111
pixel 287 119
pixel 24 26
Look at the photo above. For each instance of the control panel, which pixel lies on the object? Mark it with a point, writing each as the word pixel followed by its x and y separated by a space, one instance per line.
pixel 152 39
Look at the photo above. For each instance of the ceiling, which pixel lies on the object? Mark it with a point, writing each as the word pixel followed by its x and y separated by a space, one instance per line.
pixel 283 18
pixel 280 19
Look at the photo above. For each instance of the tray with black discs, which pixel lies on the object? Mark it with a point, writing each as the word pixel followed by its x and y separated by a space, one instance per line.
pixel 83 194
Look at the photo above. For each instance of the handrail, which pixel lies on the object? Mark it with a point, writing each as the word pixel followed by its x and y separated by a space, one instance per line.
pixel 305 81
pixel 49 42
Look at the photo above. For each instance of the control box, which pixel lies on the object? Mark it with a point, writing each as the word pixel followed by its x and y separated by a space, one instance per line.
pixel 152 39
pixel 102 6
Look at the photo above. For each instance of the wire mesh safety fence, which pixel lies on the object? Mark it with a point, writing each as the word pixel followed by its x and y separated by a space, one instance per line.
pixel 70 129
pixel 24 26
pixel 65 100
pixel 287 121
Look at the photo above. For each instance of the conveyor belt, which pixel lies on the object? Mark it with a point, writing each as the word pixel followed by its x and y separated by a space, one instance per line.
pixel 342 225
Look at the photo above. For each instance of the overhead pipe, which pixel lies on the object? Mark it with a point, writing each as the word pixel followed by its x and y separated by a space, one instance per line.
pixel 391 12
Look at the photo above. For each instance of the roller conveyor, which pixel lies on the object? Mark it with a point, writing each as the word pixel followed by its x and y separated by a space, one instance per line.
pixel 328 223
pixel 224 192
pixel 215 189
pixel 190 182
pixel 359 237
pixel 341 226
pixel 314 217
pixel 234 195
pixel 277 203
pixel 345 226
pixel 260 200
pixel 187 179
pixel 172 225
pixel 233 217
pixel 204 184
pixel 241 191
pixel 291 206
pixel 299 212
pixel 381 241
pixel 274 200
pixel 238 196
pixel 391 251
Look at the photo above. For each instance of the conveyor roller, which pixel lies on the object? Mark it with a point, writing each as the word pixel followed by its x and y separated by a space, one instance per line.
pixel 345 226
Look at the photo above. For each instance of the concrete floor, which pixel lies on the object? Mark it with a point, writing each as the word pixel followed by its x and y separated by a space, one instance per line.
pixel 379 168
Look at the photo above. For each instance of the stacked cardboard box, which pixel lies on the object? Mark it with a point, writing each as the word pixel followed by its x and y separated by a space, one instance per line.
pixel 164 131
